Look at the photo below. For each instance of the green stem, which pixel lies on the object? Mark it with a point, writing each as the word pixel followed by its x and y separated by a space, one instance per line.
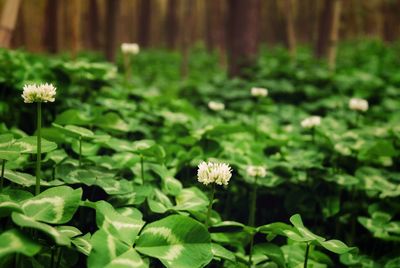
pixel 39 147
pixel 252 217
pixel 127 66
pixel 80 151
pixel 255 119
pixel 253 203
pixel 53 251
pixel 207 223
pixel 3 165
pixel 142 167
pixel 60 251
pixel 251 250
pixel 306 255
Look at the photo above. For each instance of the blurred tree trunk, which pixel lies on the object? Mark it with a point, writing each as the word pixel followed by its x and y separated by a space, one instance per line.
pixel 216 28
pixel 50 38
pixel 112 9
pixel 172 23
pixel 8 21
pixel 243 35
pixel 290 32
pixel 328 31
pixel 93 24
pixel 187 28
pixel 334 34
pixel 75 14
pixel 144 23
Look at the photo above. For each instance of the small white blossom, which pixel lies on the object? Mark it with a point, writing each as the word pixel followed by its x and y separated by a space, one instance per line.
pixel 256 171
pixel 358 104
pixel 216 106
pixel 39 93
pixel 219 173
pixel 311 122
pixel 130 48
pixel 259 92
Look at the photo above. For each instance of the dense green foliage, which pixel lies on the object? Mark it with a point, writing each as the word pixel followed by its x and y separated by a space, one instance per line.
pixel 119 186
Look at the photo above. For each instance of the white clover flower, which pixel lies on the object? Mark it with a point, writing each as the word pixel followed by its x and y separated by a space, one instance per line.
pixel 39 93
pixel 130 48
pixel 256 171
pixel 259 92
pixel 358 104
pixel 219 173
pixel 216 106
pixel 311 122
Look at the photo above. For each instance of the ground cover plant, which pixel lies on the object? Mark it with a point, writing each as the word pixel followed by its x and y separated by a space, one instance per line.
pixel 291 166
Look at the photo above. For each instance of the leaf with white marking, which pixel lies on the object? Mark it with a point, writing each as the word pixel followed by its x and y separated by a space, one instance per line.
pixel 8 150
pixel 336 246
pixel 105 248
pixel 55 205
pixel 25 221
pixel 191 199
pixel 130 259
pixel 82 244
pixel 177 241
pixel 29 145
pixel 123 227
pixel 69 231
pixel 13 241
pixel 220 252
pixel 75 131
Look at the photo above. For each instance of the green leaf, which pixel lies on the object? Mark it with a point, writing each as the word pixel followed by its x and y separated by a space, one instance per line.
pixel 69 231
pixel 191 199
pixel 336 246
pixel 307 234
pixel 112 121
pixel 55 205
pixel 105 248
pixel 120 226
pixel 82 244
pixel 177 241
pixel 75 131
pixel 25 221
pixel 28 145
pixel 220 252
pixel 73 117
pixel 272 251
pixel 13 241
pixel 8 150
pixel 129 259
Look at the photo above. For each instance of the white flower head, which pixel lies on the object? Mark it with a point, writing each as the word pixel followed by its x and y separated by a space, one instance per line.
pixel 39 93
pixel 216 106
pixel 256 171
pixel 259 92
pixel 219 173
pixel 358 104
pixel 130 48
pixel 311 122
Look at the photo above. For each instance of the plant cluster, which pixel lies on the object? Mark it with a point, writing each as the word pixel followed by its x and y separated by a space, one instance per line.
pixel 128 166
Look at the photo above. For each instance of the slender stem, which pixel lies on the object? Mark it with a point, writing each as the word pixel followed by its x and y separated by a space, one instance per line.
pixel 251 250
pixel 3 165
pixel 53 252
pixel 306 255
pixel 252 216
pixel 127 66
pixel 60 251
pixel 207 223
pixel 80 151
pixel 358 117
pixel 253 203
pixel 142 167
pixel 39 147
pixel 255 119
